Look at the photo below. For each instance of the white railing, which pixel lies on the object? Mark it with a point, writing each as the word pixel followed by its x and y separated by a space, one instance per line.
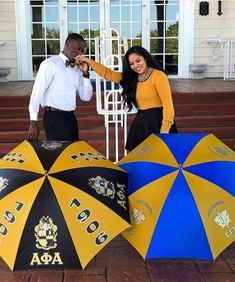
pixel 109 101
pixel 229 59
pixel 228 47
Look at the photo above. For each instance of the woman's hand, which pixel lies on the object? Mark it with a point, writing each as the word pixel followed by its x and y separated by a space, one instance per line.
pixel 81 59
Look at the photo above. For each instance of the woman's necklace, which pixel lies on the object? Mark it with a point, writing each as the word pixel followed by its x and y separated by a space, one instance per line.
pixel 146 76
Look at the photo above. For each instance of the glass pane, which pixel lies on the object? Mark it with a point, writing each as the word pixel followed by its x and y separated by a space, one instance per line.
pixel 159 12
pixel 153 13
pixel 160 60
pixel 52 31
pixel 172 29
pixel 172 45
pixel 72 28
pixel 136 30
pixel 153 30
pixel 156 45
pixel 116 26
pixel 136 42
pixel 136 13
pixel 171 64
pixel 36 63
pixel 91 47
pixel 126 31
pixel 94 29
pixel 172 12
pixel 83 14
pixel 125 13
pixel 38 31
pixel 96 33
pixel 72 14
pixel 37 14
pixel 115 12
pixel 38 47
pixel 84 30
pixel 52 14
pixel 95 14
pixel 51 2
pixel 53 47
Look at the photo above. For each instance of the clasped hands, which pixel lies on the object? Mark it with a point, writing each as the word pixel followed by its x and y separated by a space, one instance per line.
pixel 82 65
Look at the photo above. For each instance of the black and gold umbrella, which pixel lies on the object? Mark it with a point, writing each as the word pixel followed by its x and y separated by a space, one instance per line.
pixel 60 204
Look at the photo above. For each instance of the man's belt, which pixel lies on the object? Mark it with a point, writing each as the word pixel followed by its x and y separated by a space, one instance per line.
pixel 52 109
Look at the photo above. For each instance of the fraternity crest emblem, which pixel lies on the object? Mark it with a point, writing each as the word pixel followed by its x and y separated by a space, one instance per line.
pixel 144 150
pixel 46 233
pixel 102 186
pixel 138 216
pixel 222 218
pixel 51 145
pixel 220 151
pixel 3 183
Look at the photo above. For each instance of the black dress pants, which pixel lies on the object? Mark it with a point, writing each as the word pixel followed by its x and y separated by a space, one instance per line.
pixel 60 126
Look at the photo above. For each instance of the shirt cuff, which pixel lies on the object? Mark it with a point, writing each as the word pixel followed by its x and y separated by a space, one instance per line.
pixel 33 116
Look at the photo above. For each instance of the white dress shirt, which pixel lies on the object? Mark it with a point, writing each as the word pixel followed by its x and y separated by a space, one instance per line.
pixel 57 86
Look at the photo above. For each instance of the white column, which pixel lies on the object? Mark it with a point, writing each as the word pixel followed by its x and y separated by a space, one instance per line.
pixel 23 39
pixel 186 37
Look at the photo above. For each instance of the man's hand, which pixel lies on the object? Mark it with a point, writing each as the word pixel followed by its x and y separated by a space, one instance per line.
pixel 34 131
pixel 82 63
pixel 82 66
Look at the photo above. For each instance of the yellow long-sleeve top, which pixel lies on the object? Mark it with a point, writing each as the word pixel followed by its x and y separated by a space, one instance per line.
pixel 152 93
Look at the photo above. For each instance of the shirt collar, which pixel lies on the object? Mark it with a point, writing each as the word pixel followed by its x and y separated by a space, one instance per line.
pixel 63 57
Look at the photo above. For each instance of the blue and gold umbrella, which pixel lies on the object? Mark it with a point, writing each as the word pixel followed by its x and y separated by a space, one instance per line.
pixel 181 196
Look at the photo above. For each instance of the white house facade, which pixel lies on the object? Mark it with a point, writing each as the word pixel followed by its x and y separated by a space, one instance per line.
pixel 177 32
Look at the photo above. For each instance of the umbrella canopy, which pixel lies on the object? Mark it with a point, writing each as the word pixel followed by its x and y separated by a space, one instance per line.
pixel 60 204
pixel 181 196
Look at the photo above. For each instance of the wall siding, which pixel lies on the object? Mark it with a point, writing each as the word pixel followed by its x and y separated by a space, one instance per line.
pixel 213 26
pixel 8 53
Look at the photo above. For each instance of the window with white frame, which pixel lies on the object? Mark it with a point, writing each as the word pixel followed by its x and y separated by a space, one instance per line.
pixel 164 33
pixel 45 33
pixel 154 24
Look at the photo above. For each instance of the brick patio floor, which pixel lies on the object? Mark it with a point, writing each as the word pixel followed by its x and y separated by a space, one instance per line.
pixel 15 88
pixel 119 261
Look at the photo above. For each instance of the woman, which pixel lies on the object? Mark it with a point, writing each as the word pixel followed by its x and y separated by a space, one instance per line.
pixel 146 87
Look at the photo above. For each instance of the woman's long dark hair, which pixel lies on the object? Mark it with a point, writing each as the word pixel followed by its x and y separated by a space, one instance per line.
pixel 130 78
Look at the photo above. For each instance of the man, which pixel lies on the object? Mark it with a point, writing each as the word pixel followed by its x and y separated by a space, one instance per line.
pixel 58 81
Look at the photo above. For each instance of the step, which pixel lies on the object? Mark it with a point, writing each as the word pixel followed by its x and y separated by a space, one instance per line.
pixel 23 124
pixel 205 121
pixel 187 97
pixel 85 134
pixel 194 113
pixel 204 98
pixel 23 101
pixel 204 109
pixel 23 112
